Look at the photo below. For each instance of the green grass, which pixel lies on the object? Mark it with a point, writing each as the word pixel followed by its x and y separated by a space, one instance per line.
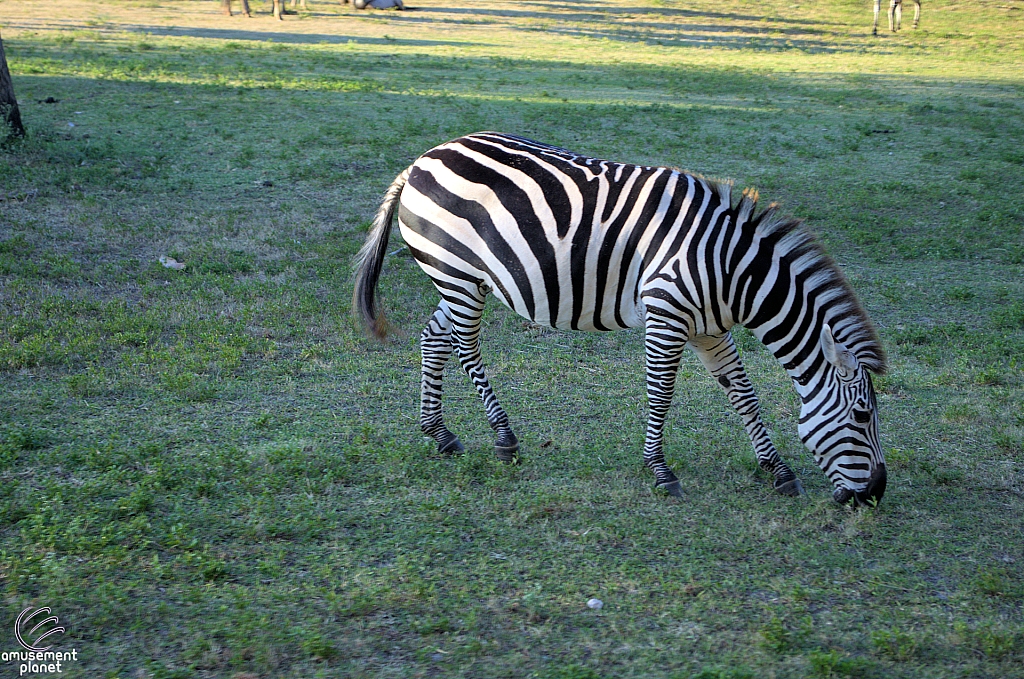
pixel 211 473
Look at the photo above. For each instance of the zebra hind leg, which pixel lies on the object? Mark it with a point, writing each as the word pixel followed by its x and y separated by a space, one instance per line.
pixel 466 331
pixel 719 356
pixel 435 349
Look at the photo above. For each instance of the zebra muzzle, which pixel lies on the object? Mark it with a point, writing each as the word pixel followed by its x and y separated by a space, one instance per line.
pixel 870 496
pixel 842 495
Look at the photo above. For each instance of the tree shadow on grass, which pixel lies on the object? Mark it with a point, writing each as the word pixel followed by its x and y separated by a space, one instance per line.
pixel 731 32
pixel 254 36
pixel 293 38
pixel 597 12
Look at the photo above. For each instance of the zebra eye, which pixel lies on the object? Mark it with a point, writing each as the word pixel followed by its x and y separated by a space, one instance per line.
pixel 861 416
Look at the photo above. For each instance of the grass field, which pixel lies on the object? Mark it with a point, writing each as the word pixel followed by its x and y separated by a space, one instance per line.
pixel 212 473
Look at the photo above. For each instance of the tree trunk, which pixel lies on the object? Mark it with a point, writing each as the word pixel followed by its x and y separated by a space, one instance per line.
pixel 10 115
pixel 225 7
pixel 278 8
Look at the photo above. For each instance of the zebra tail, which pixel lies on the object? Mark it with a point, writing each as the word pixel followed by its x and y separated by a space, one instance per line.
pixel 370 261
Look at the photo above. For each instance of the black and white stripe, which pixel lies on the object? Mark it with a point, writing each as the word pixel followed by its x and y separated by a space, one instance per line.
pixel 579 243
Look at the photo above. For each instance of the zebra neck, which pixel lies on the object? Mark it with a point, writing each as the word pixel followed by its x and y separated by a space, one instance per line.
pixel 785 306
pixel 785 289
pixel 800 354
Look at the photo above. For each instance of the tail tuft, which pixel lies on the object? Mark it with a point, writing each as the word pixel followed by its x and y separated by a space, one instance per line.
pixel 370 262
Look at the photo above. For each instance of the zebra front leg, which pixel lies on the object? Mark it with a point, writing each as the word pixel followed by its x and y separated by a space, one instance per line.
pixel 663 346
pixel 719 356
pixel 874 27
pixel 466 330
pixel 917 12
pixel 435 349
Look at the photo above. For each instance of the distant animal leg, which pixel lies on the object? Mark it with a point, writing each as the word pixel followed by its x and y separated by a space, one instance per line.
pixel 435 349
pixel 874 27
pixel 917 12
pixel 894 12
pixel 719 356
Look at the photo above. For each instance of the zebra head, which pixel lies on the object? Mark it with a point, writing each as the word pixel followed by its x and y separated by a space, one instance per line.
pixel 839 424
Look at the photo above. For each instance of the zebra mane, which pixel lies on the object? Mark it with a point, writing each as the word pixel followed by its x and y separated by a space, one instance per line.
pixel 792 240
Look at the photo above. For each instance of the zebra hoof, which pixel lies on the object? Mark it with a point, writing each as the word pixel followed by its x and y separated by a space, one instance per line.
pixel 791 488
pixel 673 488
pixel 507 448
pixel 507 454
pixel 453 447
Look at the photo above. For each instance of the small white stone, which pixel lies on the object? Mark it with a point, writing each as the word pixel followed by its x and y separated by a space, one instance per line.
pixel 596 604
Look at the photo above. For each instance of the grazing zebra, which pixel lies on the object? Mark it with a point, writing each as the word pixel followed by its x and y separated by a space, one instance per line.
pixel 578 243
pixel 896 15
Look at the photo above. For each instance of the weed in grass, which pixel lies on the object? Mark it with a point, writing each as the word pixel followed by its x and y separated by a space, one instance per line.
pixel 995 582
pixel 319 647
pixel 92 382
pixel 960 293
pixel 1009 317
pixel 782 636
pixel 188 386
pixel 432 625
pixel 900 457
pixel 960 413
pixel 990 640
pixel 158 670
pixel 19 437
pixel 946 476
pixel 718 672
pixel 990 377
pixel 833 664
pixel 570 672
pixel 895 644
pixel 1010 441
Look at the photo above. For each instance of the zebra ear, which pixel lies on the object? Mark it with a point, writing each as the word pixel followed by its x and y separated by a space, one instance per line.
pixel 837 354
